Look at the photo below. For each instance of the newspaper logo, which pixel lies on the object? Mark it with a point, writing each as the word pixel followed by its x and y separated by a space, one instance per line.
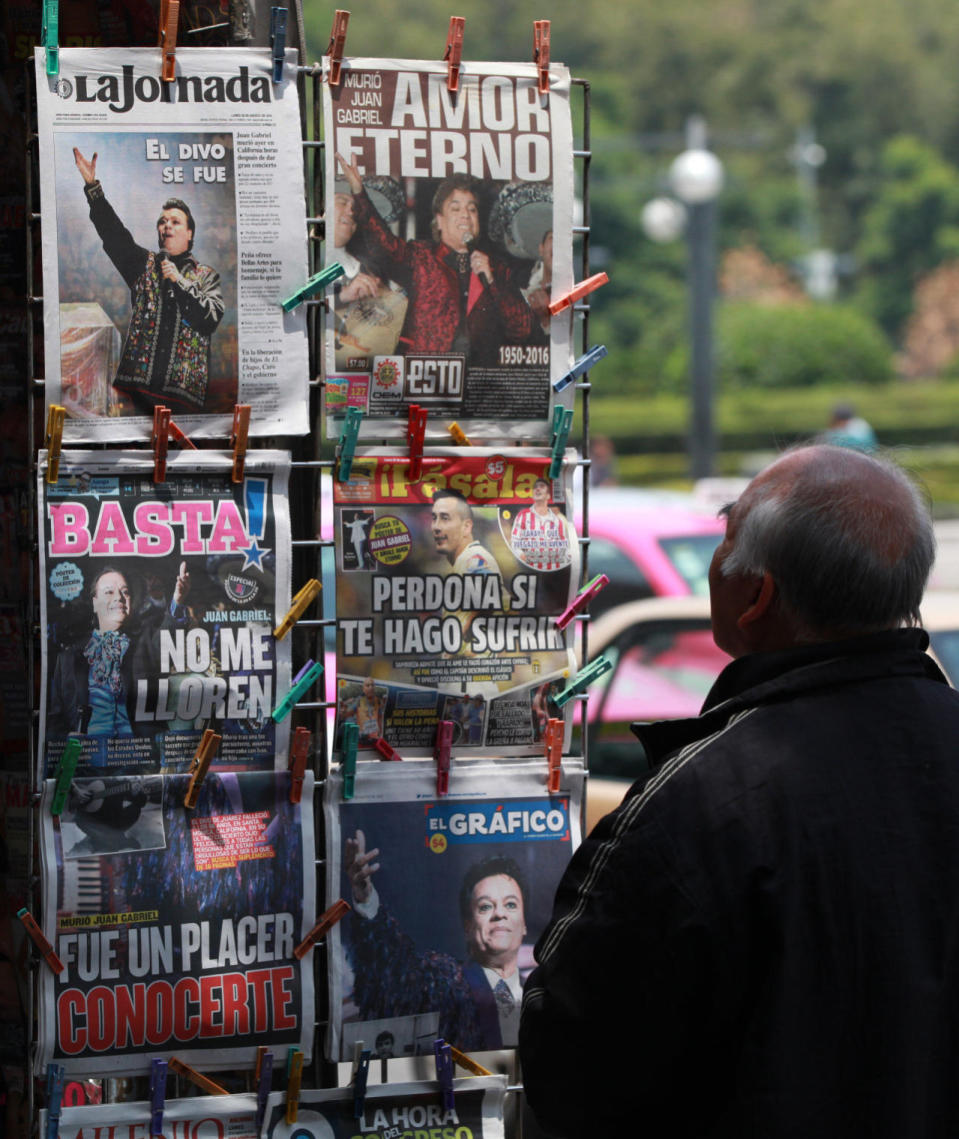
pixel 241 589
pixel 435 378
pixel 520 820
pixel 386 390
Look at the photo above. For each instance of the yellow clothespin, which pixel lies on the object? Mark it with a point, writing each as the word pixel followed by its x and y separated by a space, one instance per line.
pixel 206 750
pixel 53 440
pixel 301 600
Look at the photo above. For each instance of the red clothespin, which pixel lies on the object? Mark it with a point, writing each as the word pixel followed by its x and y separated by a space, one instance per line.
pixel 541 54
pixel 553 739
pixel 454 52
pixel 386 751
pixel 577 292
pixel 328 919
pixel 299 753
pixel 579 602
pixel 202 758
pixel 39 940
pixel 169 18
pixel 238 439
pixel 415 435
pixel 441 753
pixel 337 43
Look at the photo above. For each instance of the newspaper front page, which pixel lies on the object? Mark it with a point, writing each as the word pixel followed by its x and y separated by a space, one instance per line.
pixel 174 225
pixel 199 1117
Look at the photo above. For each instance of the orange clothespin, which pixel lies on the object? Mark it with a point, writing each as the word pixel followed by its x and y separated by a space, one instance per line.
pixel 328 919
pixel 169 18
pixel 415 435
pixel 441 754
pixel 54 440
pixel 195 1077
pixel 299 753
pixel 459 435
pixel 163 429
pixel 541 54
pixel 302 600
pixel 39 940
pixel 202 758
pixel 386 750
pixel 238 439
pixel 454 52
pixel 553 739
pixel 577 292
pixel 468 1062
pixel 337 44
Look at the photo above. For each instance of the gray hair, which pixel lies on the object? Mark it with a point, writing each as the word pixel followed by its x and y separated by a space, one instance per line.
pixel 848 541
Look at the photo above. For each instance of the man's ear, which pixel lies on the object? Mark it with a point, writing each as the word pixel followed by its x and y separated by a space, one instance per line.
pixel 759 607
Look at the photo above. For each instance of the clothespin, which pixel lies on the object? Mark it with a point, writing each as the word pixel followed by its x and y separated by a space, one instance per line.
pixel 158 1075
pixel 584 678
pixel 541 54
pixel 454 52
pixel 415 434
pixel 337 45
pixel 66 769
pixel 299 753
pixel 444 1073
pixel 294 1076
pixel 303 681
pixel 468 1062
pixel 302 599
pixel 327 920
pixel 196 1077
pixel 202 758
pixel 264 1082
pixel 40 941
pixel 386 751
pixel 240 434
pixel 54 440
pixel 577 292
pixel 583 364
pixel 580 601
pixel 163 428
pixel 459 435
pixel 277 41
pixel 169 17
pixel 562 421
pixel 50 35
pixel 346 447
pixel 54 1090
pixel 351 739
pixel 360 1077
pixel 553 739
pixel 316 284
pixel 441 754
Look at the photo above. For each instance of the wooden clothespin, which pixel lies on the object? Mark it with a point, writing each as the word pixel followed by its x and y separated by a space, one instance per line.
pixel 577 292
pixel 327 920
pixel 541 54
pixel 337 46
pixel 302 599
pixel 299 754
pixel 240 435
pixel 415 436
pixel 454 52
pixel 163 429
pixel 196 1077
pixel 169 18
pixel 277 41
pixel 202 758
pixel 53 440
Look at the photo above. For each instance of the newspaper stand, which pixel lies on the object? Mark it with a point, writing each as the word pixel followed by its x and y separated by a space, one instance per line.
pixel 313 553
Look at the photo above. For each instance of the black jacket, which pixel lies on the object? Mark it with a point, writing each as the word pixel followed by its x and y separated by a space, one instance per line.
pixel 763 940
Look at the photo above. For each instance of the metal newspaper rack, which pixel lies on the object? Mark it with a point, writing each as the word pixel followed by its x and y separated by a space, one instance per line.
pixel 306 499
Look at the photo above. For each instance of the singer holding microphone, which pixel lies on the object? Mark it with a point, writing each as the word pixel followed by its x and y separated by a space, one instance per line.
pixel 177 303
pixel 462 297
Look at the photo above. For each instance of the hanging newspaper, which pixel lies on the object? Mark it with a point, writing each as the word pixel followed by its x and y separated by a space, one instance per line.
pixel 176 927
pixel 158 604
pixel 200 1117
pixel 422 873
pixel 174 227
pixel 390 1111
pixel 452 216
pixel 447 593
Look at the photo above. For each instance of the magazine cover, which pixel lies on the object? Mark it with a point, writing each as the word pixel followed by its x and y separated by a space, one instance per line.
pixel 174 225
pixel 200 1117
pixel 392 1111
pixel 176 927
pixel 157 604
pixel 448 897
pixel 447 594
pixel 451 214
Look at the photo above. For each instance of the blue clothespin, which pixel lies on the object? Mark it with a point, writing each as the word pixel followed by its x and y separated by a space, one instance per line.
pixel 562 421
pixel 346 448
pixel 50 35
pixel 277 41
pixel 360 1077
pixel 316 284
pixel 303 681
pixel 584 678
pixel 583 364
pixel 351 739
pixel 264 1078
pixel 157 1095
pixel 54 1099
pixel 66 769
pixel 444 1073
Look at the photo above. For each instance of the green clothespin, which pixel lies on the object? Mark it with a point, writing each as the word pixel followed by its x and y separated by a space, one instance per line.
pixel 315 284
pixel 562 421
pixel 50 35
pixel 584 678
pixel 65 771
pixel 351 739
pixel 347 445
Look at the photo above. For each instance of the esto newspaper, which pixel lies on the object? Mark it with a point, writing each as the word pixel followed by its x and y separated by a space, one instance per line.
pixel 447 593
pixel 158 603
pixel 452 218
pixel 448 897
pixel 174 225
pixel 176 927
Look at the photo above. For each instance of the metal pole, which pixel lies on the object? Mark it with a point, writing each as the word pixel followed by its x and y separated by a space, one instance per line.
pixel 702 434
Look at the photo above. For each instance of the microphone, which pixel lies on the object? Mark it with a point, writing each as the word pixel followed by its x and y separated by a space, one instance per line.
pixel 469 240
pixel 161 257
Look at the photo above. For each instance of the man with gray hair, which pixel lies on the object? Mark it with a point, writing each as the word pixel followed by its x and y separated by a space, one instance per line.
pixel 761 941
